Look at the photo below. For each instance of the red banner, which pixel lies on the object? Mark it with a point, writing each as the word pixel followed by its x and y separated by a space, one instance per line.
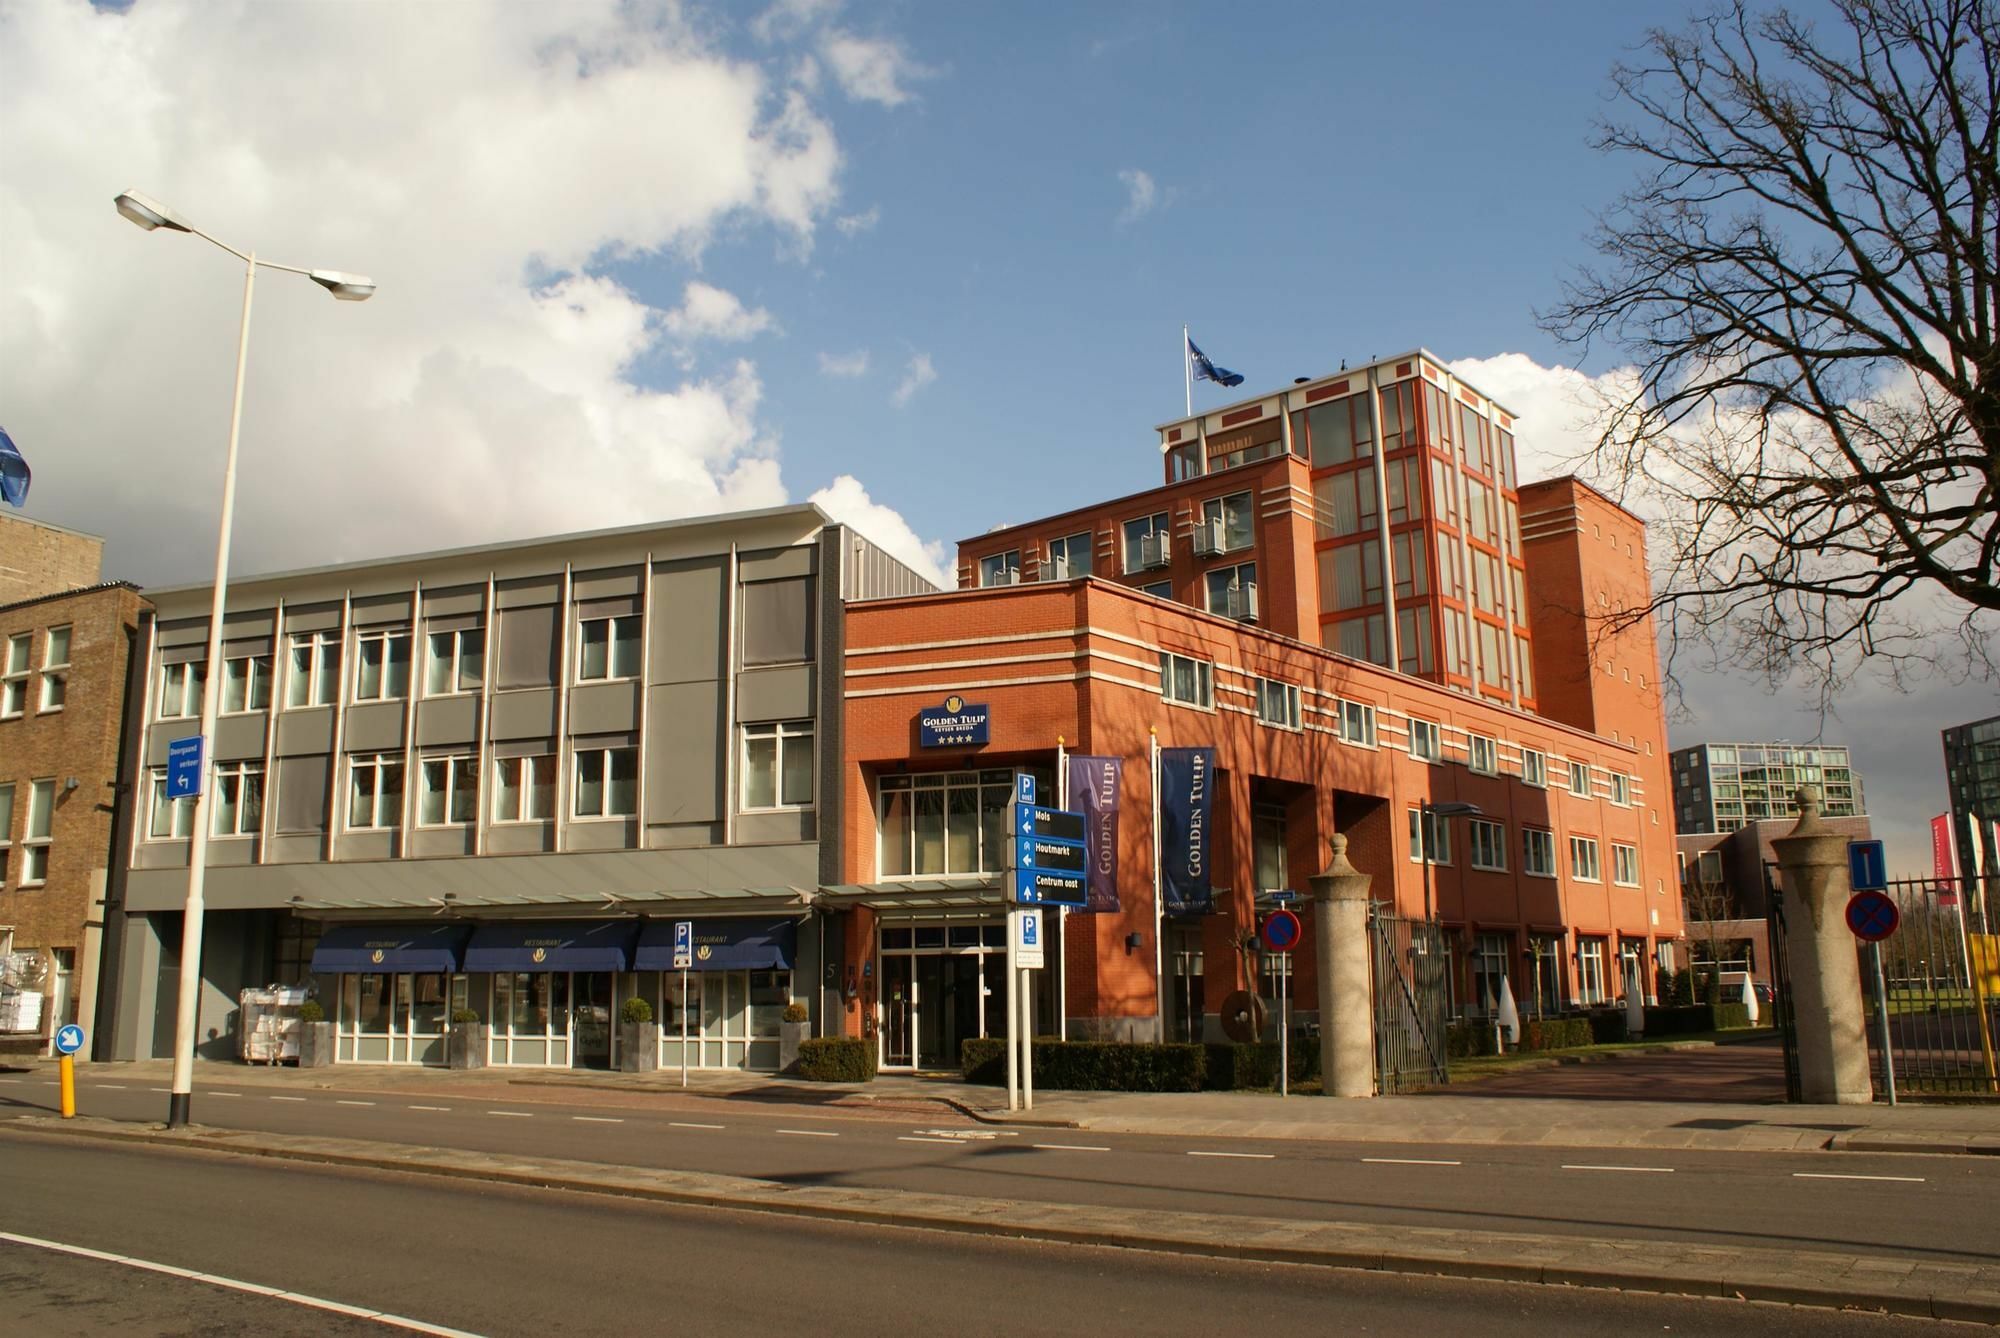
pixel 1942 864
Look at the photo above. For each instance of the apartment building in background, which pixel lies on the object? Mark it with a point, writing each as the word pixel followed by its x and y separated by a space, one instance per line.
pixel 1719 787
pixel 1972 776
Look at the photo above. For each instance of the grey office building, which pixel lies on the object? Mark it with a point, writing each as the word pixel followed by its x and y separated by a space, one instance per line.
pixel 495 779
pixel 1972 770
pixel 1719 787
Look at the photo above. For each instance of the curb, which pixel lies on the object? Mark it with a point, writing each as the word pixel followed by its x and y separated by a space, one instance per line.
pixel 1749 1273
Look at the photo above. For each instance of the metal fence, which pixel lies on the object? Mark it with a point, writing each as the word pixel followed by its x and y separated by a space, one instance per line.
pixel 1782 1016
pixel 1412 1002
pixel 1936 1016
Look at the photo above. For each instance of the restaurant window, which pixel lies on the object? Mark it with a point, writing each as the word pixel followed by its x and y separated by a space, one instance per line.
pixel 778 765
pixel 942 823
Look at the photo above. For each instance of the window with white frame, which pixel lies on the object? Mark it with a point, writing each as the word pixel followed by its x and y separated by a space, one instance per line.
pixel 14 676
pixel 1138 550
pixel 1538 852
pixel 35 841
pixel 778 765
pixel 1487 845
pixel 6 826
pixel 1001 568
pixel 936 824
pixel 172 819
pixel 55 668
pixel 1437 832
pixel 607 783
pixel 382 664
pixel 1590 971
pixel 1579 779
pixel 1069 557
pixel 375 791
pixel 238 801
pixel 1583 860
pixel 1187 680
pixel 454 662
pixel 1534 768
pixel 1426 740
pixel 607 648
pixel 448 790
pixel 1278 703
pixel 1482 754
pixel 1237 512
pixel 314 669
pixel 180 689
pixel 524 788
pixel 1621 789
pixel 1357 724
pixel 246 684
pixel 1624 865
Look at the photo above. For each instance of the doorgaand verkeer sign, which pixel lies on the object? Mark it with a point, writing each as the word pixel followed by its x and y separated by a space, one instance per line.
pixel 1187 801
pixel 956 724
pixel 1094 784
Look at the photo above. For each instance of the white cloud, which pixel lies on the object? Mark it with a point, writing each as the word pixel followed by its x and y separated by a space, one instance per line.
pixel 460 156
pixel 916 375
pixel 1556 407
pixel 707 312
pixel 848 502
pixel 870 69
pixel 851 225
pixel 787 19
pixel 844 364
pixel 1141 194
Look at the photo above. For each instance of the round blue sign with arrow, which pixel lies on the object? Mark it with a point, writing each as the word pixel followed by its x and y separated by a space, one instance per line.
pixel 1872 916
pixel 1281 931
pixel 69 1039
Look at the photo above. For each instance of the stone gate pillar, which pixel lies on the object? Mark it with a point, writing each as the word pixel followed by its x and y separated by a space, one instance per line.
pixel 1346 1011
pixel 1826 981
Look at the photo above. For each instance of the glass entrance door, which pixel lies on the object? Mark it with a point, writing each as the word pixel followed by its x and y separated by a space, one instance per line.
pixel 898 1012
pixel 590 1019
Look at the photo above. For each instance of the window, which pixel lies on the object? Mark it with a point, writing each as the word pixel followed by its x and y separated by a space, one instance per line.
pixel 942 823
pixel 1583 864
pixel 1345 504
pixel 381 665
pixel 1438 837
pixel 448 790
pixel 375 790
pixel 55 668
pixel 1001 568
pixel 455 662
pixel 1579 779
pixel 778 621
pixel 1158 589
pixel 1489 971
pixel 524 788
pixel 1138 551
pixel 315 669
pixel 35 852
pixel 238 799
pixel 1590 971
pixel 1185 680
pixel 246 684
pixel 1272 869
pixel 778 765
pixel 607 783
pixel 1621 789
pixel 1534 768
pixel 302 795
pixel 1278 703
pixel 1624 865
pixel 1069 557
pixel 180 689
pixel 1538 852
pixel 1488 842
pixel 1357 724
pixel 1237 516
pixel 14 684
pixel 1232 591
pixel 1482 755
pixel 6 826
pixel 1426 740
pixel 607 648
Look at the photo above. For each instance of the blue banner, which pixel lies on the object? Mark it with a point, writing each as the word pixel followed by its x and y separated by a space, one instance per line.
pixel 956 724
pixel 1187 803
pixel 1094 792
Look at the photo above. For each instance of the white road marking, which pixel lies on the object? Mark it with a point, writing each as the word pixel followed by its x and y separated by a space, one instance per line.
pixel 344 1102
pixel 1831 1175
pixel 1651 1170
pixel 514 1114
pixel 160 1089
pixel 1410 1161
pixel 222 1094
pixel 597 1119
pixel 238 1285
pixel 287 1098
pixel 107 1086
pixel 430 1107
pixel 683 1124
pixel 1248 1156
pixel 810 1133
pixel 1069 1147
pixel 912 1138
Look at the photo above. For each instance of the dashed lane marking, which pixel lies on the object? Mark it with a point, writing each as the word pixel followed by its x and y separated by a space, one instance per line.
pixel 1834 1175
pixel 109 1086
pixel 597 1119
pixel 345 1102
pixel 287 1098
pixel 1068 1147
pixel 811 1133
pixel 1246 1156
pixel 513 1114
pixel 684 1124
pixel 222 1094
pixel 437 1108
pixel 1649 1170
pixel 914 1138
pixel 1411 1161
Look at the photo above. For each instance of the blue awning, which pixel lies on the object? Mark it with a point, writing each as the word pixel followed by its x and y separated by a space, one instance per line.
pixel 552 945
pixel 407 947
pixel 721 945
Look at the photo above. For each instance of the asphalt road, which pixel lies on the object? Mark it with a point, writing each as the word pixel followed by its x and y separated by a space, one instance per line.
pixel 498 1261
pixel 1930 1207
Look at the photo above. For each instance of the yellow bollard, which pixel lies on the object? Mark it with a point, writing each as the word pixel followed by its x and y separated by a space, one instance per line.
pixel 68 1068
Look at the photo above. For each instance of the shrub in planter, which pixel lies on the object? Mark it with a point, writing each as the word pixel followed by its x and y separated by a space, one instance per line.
pixel 316 1040
pixel 1731 1015
pixel 797 1012
pixel 311 1011
pixel 1092 1066
pixel 638 1038
pixel 836 1059
pixel 794 1028
pixel 635 1010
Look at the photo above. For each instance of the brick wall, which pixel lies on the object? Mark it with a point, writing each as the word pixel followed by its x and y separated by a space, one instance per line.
pixel 37 560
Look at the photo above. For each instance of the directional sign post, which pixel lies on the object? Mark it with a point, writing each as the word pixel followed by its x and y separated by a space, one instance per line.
pixel 1047 858
pixel 69 1040
pixel 683 959
pixel 184 767
pixel 1281 934
pixel 1872 916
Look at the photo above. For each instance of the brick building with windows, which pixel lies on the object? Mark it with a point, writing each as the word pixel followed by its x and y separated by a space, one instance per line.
pixel 65 650
pixel 1343 590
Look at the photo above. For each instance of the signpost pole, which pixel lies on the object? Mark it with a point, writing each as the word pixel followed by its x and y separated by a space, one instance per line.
pixel 1285 1025
pixel 66 1066
pixel 1027 1040
pixel 1013 1009
pixel 1882 1013
pixel 684 1027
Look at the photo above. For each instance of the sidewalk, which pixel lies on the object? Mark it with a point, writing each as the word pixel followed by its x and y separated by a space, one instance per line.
pixel 1450 1116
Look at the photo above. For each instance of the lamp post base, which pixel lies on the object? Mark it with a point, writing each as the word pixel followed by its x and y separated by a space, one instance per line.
pixel 177 1110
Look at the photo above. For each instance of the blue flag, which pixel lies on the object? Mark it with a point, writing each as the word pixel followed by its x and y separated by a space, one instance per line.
pixel 1204 370
pixel 14 473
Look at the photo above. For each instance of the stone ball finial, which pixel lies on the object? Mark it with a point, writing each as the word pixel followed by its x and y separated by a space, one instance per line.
pixel 1807 798
pixel 1340 879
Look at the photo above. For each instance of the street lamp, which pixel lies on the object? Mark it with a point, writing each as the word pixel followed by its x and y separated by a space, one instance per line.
pixel 1427 816
pixel 150 214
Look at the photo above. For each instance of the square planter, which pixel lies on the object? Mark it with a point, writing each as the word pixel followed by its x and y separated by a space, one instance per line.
pixel 638 1047
pixel 790 1034
pixel 315 1045
pixel 467 1045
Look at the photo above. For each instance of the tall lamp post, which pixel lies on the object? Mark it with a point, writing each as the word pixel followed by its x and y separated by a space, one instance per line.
pixel 1427 816
pixel 150 214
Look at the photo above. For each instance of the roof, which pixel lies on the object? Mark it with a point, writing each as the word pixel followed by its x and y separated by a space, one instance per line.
pixel 69 594
pixel 1307 383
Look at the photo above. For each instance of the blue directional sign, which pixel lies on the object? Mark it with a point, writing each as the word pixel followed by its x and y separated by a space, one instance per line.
pixel 1039 887
pixel 1872 916
pixel 1867 866
pixel 1048 861
pixel 69 1039
pixel 184 767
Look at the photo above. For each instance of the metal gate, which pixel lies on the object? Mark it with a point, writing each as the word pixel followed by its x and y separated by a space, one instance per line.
pixel 1412 1002
pixel 1781 991
pixel 1938 970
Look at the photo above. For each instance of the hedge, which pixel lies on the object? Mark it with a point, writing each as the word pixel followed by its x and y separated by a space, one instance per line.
pixel 1090 1066
pixel 1234 1066
pixel 836 1059
pixel 1463 1040
pixel 1555 1033
pixel 1693 1018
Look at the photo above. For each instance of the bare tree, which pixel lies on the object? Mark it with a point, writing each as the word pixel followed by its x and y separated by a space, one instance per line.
pixel 1804 278
pixel 1708 906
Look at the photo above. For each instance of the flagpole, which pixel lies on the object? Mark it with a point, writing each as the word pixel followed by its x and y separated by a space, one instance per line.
pixel 1062 912
pixel 1159 915
pixel 1187 367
